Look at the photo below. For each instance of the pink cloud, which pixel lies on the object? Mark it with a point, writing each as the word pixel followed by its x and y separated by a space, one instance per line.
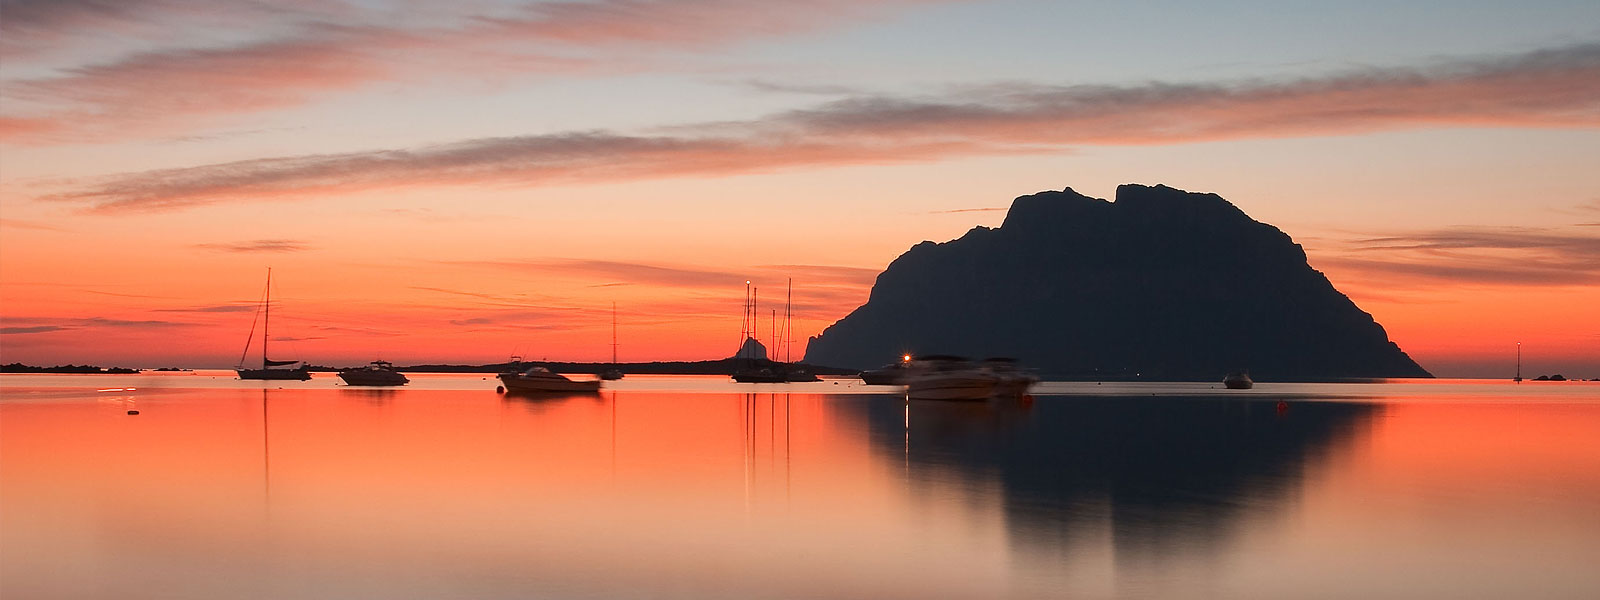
pixel 1550 88
pixel 194 86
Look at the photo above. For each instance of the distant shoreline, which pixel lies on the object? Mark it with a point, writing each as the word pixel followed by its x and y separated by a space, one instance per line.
pixel 705 367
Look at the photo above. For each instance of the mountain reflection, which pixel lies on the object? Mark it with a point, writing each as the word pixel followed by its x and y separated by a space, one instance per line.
pixel 1165 474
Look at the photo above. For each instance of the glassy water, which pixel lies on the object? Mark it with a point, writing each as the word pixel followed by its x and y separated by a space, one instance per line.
pixel 684 487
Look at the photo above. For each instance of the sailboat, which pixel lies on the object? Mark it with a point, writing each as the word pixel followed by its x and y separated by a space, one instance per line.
pixel 613 372
pixel 1518 377
pixel 270 369
pixel 757 366
pixel 753 364
pixel 791 370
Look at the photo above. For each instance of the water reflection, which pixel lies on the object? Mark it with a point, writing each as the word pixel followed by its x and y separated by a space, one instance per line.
pixel 418 492
pixel 1168 475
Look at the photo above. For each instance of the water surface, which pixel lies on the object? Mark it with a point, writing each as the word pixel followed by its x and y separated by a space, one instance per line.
pixel 692 487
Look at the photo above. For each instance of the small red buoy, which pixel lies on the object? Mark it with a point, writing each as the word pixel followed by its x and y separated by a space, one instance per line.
pixel 1282 406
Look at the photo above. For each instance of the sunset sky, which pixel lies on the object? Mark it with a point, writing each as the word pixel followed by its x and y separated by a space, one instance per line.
pixel 465 181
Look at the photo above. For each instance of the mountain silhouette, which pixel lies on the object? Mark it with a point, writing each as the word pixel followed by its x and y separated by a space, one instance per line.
pixel 1161 284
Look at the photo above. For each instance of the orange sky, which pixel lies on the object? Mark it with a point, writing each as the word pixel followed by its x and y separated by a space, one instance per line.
pixel 461 184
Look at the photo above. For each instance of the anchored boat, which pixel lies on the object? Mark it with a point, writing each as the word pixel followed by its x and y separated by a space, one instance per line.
pixel 270 369
pixel 540 379
pixel 377 373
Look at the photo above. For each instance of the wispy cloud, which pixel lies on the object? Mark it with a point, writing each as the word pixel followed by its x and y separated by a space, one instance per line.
pixel 969 210
pixel 257 246
pixel 612 270
pixel 32 329
pixel 33 28
pixel 327 51
pixel 222 308
pixel 1491 256
pixel 104 322
pixel 23 224
pixel 1549 88
pixel 764 85
pixel 48 324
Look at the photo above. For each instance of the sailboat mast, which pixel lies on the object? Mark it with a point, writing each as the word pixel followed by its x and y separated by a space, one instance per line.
pixel 788 323
pixel 613 333
pixel 744 319
pixel 266 321
pixel 1518 379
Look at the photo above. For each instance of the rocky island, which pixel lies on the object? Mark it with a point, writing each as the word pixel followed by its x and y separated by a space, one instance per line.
pixel 1161 284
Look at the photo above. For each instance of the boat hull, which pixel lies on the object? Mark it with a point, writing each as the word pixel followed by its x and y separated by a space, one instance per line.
pixel 373 378
pixel 274 374
pixel 760 377
pixel 518 383
pixel 955 387
pixel 1013 386
pixel 884 377
pixel 1238 382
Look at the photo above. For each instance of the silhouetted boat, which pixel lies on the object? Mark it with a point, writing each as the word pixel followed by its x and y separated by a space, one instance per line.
pixel 949 378
pixel 766 374
pixel 890 374
pixel 540 379
pixel 1238 380
pixel 270 369
pixel 1013 379
pixel 1518 377
pixel 798 374
pixel 755 366
pixel 613 372
pixel 377 373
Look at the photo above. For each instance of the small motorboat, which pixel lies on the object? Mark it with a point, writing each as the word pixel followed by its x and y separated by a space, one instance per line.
pixel 890 374
pixel 1013 379
pixel 611 374
pixel 1238 380
pixel 949 378
pixel 540 379
pixel 376 373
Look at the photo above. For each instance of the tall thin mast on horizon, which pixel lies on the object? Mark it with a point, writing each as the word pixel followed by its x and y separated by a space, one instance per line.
pixel 788 324
pixel 266 321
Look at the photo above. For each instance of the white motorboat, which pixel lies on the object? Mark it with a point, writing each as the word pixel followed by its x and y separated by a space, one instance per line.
pixel 540 379
pixel 378 373
pixel 890 374
pixel 949 378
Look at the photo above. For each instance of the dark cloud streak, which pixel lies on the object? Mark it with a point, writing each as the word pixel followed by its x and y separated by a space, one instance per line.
pixel 257 246
pixel 1521 256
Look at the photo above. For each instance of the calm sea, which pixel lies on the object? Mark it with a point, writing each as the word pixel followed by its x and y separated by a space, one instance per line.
pixel 695 487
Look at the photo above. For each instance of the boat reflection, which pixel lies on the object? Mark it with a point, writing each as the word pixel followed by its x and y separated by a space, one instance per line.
pixel 538 401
